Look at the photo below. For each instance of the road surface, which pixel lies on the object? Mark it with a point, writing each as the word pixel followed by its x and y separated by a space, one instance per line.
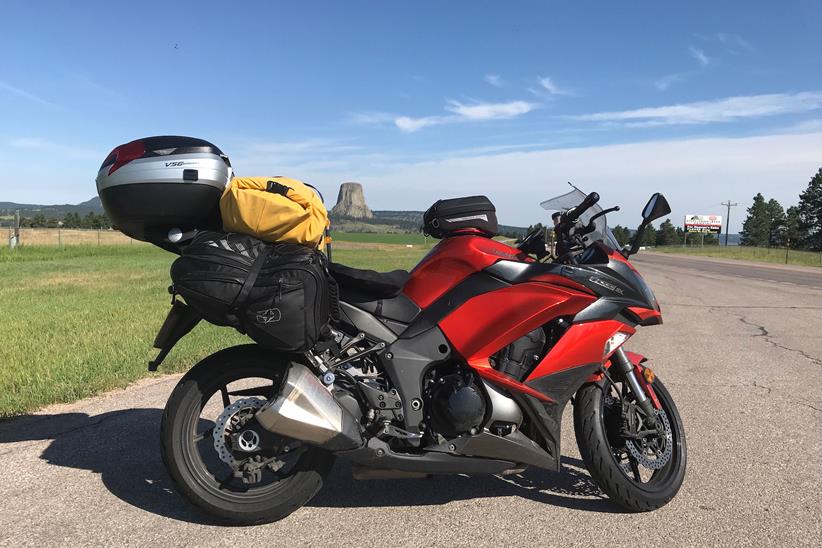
pixel 742 357
pixel 808 276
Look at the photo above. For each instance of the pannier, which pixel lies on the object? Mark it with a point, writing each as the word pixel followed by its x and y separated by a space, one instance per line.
pixel 274 209
pixel 278 294
pixel 450 217
pixel 158 188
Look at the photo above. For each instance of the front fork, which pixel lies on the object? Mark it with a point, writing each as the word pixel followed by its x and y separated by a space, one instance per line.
pixel 638 387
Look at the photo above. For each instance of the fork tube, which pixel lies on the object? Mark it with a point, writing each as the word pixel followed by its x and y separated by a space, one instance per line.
pixel 625 367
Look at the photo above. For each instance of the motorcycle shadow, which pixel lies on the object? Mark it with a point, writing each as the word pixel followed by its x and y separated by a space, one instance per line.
pixel 123 447
pixel 571 488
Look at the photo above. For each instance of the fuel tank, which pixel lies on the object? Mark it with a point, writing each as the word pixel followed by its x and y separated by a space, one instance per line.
pixel 451 261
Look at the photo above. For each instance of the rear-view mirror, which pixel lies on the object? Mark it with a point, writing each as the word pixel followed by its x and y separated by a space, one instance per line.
pixel 656 207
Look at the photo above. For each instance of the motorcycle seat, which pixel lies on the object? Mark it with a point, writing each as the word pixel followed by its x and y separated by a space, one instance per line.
pixel 368 283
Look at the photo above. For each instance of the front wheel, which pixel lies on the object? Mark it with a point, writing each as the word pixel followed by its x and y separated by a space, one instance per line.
pixel 217 454
pixel 639 465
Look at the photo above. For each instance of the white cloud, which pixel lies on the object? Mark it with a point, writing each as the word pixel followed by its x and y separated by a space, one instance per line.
pixel 733 40
pixel 495 80
pixel 694 174
pixel 34 144
pixel 26 95
pixel 307 146
pixel 667 81
pixel 490 111
pixel 719 110
pixel 371 118
pixel 466 112
pixel 410 125
pixel 548 85
pixel 28 142
pixel 700 56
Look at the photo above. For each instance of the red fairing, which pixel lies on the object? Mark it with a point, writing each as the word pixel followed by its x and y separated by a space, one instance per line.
pixel 646 314
pixel 582 344
pixel 491 321
pixel 615 255
pixel 451 261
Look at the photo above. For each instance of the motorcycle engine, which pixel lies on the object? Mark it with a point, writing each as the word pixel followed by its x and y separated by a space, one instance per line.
pixel 519 358
pixel 456 404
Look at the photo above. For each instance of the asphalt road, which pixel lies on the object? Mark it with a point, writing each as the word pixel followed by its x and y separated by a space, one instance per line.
pixel 741 356
pixel 808 276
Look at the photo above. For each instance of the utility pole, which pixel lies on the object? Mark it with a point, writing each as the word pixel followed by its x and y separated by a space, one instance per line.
pixel 728 218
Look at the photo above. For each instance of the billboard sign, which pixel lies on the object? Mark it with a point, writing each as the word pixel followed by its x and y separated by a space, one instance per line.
pixel 703 224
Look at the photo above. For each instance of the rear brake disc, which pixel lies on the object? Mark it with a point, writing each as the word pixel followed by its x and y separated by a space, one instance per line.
pixel 231 416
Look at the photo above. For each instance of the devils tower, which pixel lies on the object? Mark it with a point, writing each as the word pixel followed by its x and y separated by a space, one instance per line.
pixel 351 202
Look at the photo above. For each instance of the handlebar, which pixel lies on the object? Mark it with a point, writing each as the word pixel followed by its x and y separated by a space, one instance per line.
pixel 572 215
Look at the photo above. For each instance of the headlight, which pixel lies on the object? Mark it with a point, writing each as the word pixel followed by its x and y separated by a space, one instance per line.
pixel 616 340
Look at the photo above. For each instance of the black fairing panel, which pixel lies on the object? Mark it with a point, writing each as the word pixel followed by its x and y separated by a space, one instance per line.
pixel 400 308
pixel 614 280
pixel 515 272
pixel 358 320
pixel 546 418
pixel 410 360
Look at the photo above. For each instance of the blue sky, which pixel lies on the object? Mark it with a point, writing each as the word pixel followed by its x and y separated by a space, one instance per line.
pixel 704 101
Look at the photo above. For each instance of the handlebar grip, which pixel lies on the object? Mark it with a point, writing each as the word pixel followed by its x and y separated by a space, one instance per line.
pixel 589 200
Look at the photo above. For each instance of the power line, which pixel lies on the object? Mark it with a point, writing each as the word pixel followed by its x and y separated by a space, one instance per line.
pixel 728 218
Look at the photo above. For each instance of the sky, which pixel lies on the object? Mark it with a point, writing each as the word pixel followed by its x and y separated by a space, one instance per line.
pixel 702 101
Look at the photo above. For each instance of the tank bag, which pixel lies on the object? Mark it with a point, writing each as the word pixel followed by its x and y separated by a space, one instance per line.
pixel 274 209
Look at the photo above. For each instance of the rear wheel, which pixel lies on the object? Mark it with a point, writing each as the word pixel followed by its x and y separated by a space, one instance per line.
pixel 638 465
pixel 220 458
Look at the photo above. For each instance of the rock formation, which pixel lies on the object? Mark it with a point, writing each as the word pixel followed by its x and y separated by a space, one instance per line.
pixel 351 202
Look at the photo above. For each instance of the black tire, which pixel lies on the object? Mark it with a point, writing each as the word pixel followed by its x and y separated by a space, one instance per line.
pixel 187 469
pixel 598 453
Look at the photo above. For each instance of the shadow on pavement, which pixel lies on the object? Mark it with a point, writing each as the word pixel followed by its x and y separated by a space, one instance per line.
pixel 123 447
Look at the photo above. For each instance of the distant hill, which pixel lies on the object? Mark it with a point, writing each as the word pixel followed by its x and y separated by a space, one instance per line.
pixel 57 211
pixel 396 221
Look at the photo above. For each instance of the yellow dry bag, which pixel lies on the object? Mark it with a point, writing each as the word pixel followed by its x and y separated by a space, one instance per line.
pixel 274 209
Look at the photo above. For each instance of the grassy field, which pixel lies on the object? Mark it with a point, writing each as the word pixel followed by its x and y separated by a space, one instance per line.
pixel 414 238
pixel 73 236
pixel 760 254
pixel 81 319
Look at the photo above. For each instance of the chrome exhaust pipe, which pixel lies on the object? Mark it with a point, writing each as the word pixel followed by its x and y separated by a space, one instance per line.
pixel 306 411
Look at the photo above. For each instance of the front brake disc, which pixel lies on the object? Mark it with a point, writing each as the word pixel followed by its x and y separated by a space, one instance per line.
pixel 641 455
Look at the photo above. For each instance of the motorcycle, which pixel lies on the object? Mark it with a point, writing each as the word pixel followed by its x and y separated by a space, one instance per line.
pixel 462 366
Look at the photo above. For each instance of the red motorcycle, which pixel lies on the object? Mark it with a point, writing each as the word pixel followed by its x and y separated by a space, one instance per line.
pixel 462 366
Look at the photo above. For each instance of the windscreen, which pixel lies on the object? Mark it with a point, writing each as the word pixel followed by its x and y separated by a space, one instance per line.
pixel 571 199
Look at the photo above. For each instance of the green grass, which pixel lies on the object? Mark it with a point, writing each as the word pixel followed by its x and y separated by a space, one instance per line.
pixel 413 238
pixel 81 320
pixel 760 254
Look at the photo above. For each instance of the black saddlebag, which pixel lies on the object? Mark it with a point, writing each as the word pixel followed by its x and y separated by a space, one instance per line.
pixel 278 294
pixel 457 215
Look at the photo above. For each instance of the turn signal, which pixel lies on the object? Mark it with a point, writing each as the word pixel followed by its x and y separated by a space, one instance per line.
pixel 649 375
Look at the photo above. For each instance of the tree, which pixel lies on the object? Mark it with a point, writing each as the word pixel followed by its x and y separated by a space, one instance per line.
pixel 757 226
pixel 793 233
pixel 622 234
pixel 810 213
pixel 776 225
pixel 39 221
pixel 666 235
pixel 649 237
pixel 71 220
